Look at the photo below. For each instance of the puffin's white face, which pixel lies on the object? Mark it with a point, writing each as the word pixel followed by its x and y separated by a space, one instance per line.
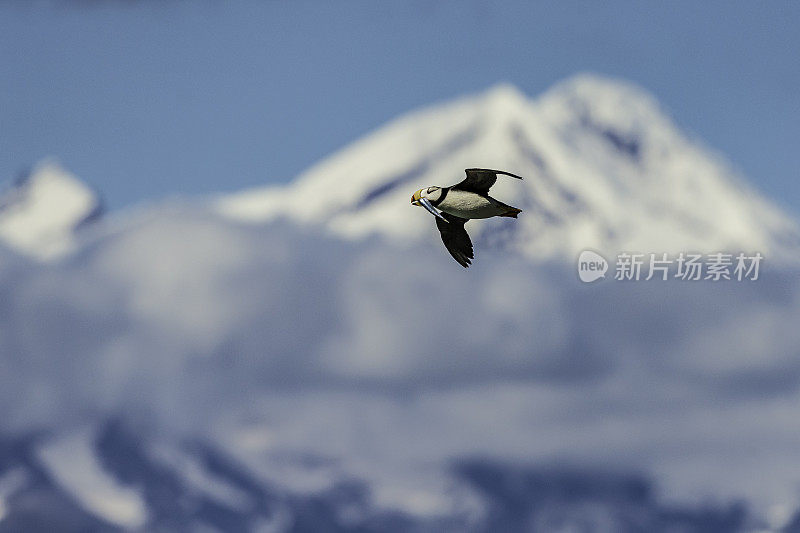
pixel 424 197
pixel 431 193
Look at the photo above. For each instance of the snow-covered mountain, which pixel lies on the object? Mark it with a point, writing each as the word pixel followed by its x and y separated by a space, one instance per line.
pixel 108 478
pixel 40 212
pixel 604 169
pixel 186 371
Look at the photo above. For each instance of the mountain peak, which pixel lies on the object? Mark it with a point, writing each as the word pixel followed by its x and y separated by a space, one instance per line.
pixel 605 168
pixel 604 103
pixel 500 106
pixel 40 211
pixel 505 95
pixel 594 84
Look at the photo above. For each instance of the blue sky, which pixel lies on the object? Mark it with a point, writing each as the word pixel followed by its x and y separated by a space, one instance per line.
pixel 151 99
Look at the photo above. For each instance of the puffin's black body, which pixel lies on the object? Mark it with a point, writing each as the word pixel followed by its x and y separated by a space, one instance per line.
pixel 453 206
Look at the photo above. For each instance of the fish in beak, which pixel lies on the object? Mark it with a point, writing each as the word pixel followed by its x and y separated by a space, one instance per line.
pixel 417 199
pixel 432 210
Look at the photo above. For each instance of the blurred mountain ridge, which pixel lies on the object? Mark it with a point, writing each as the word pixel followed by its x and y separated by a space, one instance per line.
pixel 254 362
pixel 108 478
pixel 41 211
pixel 604 166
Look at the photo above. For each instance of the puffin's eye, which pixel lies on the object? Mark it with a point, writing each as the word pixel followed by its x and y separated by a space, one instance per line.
pixel 431 189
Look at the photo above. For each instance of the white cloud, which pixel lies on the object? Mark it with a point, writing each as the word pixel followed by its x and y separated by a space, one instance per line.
pixel 394 359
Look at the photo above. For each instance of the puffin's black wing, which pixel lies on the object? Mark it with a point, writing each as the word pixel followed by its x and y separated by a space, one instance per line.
pixel 455 238
pixel 480 180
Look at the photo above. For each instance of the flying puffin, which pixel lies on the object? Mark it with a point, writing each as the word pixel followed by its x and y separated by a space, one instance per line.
pixel 453 206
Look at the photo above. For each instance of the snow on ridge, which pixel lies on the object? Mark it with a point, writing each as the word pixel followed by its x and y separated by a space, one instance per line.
pixel 73 463
pixel 612 100
pixel 199 479
pixel 39 213
pixel 413 140
pixel 605 168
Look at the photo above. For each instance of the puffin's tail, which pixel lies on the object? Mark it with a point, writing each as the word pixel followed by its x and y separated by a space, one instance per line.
pixel 512 212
